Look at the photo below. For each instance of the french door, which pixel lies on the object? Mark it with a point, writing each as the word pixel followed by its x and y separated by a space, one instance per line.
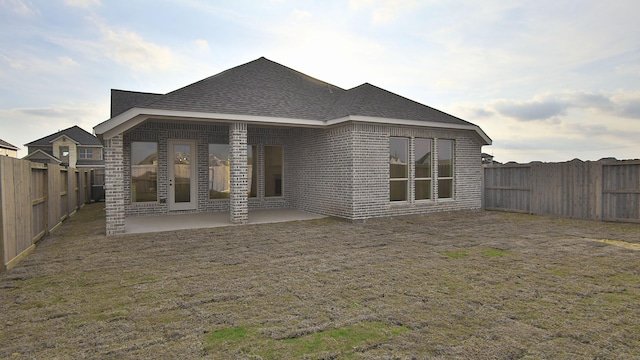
pixel 183 180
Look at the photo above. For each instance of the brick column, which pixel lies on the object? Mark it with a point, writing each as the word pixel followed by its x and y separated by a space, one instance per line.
pixel 238 199
pixel 114 185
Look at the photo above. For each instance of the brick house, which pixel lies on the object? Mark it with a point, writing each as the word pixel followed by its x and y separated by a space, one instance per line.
pixel 262 136
pixel 73 147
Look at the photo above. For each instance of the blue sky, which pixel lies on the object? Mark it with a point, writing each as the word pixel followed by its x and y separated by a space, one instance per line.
pixel 546 80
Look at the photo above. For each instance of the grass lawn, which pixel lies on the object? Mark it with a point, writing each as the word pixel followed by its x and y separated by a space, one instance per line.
pixel 457 285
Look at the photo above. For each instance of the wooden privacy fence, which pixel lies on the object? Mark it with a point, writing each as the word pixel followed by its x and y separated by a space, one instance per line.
pixel 606 190
pixel 34 200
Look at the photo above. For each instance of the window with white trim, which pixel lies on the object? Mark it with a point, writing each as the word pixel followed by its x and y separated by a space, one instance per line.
pixel 398 169
pixel 84 153
pixel 445 168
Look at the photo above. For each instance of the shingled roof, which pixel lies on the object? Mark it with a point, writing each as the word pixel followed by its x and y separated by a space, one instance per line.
pixel 123 100
pixel 75 133
pixel 263 88
pixel 6 145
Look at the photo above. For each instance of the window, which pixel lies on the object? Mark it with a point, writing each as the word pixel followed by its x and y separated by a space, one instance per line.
pixel 398 168
pixel 144 171
pixel 273 164
pixel 219 171
pixel 445 168
pixel 422 151
pixel 85 153
pixel 252 170
pixel 64 154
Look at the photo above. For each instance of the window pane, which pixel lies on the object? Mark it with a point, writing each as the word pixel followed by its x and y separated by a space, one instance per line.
pixel 445 188
pixel 219 171
pixel 182 173
pixel 144 171
pixel 423 158
pixel 398 158
pixel 423 189
pixel 398 190
pixel 273 170
pixel 252 170
pixel 445 158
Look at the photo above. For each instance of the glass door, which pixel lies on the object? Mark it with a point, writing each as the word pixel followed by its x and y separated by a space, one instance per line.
pixel 182 175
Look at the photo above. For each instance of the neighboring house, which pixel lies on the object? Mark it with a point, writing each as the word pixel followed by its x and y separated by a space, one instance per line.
pixel 488 159
pixel 7 149
pixel 73 147
pixel 261 136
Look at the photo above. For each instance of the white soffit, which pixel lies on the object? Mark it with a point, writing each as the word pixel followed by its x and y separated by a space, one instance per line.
pixel 135 116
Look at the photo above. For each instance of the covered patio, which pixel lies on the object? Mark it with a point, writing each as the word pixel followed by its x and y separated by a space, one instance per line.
pixel 169 222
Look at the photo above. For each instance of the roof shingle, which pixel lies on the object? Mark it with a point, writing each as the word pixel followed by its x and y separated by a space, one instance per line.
pixel 6 145
pixel 75 132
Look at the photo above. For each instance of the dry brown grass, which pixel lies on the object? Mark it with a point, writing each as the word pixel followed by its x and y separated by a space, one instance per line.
pixel 457 285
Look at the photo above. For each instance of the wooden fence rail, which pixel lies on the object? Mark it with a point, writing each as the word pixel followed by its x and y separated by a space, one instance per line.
pixel 604 190
pixel 34 200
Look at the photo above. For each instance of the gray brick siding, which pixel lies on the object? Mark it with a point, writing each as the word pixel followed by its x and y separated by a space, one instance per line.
pixel 341 171
pixel 238 200
pixel 114 186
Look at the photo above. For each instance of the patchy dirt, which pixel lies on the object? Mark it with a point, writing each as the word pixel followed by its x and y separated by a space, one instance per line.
pixel 457 285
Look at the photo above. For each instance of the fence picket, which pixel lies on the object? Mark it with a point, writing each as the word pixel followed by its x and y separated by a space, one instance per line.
pixel 34 200
pixel 603 190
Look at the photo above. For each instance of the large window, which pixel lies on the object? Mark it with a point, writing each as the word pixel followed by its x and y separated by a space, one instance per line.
pixel 398 168
pixel 422 151
pixel 219 171
pixel 144 171
pixel 273 166
pixel 84 153
pixel 445 168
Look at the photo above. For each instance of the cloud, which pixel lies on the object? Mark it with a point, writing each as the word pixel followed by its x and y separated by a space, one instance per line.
pixel 66 61
pixel 384 11
pixel 130 49
pixel 27 124
pixel 13 63
pixel 554 106
pixel 20 7
pixel 202 44
pixel 82 3
pixel 300 14
pixel 531 110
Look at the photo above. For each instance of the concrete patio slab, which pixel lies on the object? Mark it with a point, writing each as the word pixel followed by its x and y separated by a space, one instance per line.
pixel 145 224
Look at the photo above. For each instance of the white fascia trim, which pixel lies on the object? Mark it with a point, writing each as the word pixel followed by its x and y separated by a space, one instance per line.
pixel 420 123
pixel 135 116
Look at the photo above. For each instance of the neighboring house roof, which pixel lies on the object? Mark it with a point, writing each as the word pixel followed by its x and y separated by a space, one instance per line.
pixel 75 133
pixel 263 91
pixel 6 145
pixel 40 155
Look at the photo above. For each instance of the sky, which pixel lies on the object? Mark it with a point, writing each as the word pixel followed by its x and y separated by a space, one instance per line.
pixel 547 80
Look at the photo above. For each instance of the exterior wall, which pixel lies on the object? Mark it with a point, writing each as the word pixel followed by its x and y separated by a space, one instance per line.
pixel 96 153
pixel 341 171
pixel 73 152
pixel 8 152
pixel 344 171
pixel 204 134
pixel 321 168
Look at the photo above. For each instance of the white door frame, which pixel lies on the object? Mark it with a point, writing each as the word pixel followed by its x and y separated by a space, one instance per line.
pixel 193 203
